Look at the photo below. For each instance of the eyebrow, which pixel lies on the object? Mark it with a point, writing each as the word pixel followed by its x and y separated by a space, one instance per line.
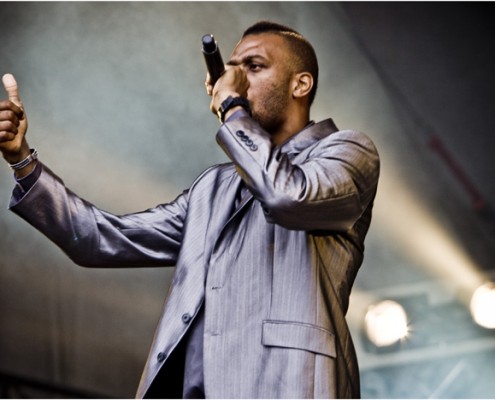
pixel 246 60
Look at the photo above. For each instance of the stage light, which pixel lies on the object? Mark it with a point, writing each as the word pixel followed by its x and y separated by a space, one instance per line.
pixel 483 305
pixel 386 323
pixel 424 239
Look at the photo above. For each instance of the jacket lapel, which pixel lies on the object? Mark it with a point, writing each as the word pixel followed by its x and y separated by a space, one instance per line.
pixel 228 206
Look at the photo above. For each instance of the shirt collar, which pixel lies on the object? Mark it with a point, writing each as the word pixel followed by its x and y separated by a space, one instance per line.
pixel 309 135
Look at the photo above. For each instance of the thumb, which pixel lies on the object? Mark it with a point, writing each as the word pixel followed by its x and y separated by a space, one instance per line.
pixel 10 85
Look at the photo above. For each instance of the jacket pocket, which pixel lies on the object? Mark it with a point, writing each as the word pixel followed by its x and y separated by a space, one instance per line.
pixel 297 335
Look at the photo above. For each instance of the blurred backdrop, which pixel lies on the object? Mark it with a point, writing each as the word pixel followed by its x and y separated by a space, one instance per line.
pixel 116 104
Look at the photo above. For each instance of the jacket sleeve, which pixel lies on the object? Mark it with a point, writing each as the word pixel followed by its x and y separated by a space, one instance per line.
pixel 327 186
pixel 95 238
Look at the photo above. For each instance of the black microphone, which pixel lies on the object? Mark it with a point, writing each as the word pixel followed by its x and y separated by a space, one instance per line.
pixel 213 58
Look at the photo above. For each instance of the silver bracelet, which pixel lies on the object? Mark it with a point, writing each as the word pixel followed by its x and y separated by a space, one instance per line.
pixel 28 160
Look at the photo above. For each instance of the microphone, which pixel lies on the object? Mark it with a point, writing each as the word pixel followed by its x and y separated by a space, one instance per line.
pixel 213 58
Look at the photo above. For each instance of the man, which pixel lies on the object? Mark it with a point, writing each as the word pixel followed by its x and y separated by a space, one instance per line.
pixel 266 247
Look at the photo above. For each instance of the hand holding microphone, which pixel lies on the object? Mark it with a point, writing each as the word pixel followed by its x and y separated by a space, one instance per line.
pixel 234 82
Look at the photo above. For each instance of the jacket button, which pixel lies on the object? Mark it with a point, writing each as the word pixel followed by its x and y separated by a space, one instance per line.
pixel 254 147
pixel 249 142
pixel 160 357
pixel 240 133
pixel 186 318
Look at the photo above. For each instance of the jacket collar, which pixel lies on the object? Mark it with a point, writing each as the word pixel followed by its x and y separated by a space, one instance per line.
pixel 309 135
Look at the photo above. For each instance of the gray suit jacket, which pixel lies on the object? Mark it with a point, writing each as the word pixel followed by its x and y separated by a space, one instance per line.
pixel 273 270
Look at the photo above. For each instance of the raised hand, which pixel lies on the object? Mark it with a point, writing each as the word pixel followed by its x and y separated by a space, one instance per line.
pixel 13 123
pixel 233 83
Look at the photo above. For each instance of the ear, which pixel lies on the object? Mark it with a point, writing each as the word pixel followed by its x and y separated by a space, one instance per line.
pixel 302 83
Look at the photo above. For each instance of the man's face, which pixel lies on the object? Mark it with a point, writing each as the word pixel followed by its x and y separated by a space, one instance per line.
pixel 265 58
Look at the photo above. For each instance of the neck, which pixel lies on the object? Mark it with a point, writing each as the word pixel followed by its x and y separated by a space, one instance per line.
pixel 293 125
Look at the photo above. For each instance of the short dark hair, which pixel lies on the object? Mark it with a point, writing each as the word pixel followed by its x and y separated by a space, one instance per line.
pixel 303 50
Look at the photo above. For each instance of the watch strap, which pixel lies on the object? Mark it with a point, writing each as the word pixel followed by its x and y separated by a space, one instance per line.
pixel 231 102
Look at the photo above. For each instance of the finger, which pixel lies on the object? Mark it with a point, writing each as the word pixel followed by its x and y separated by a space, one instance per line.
pixel 209 89
pixel 9 115
pixel 208 85
pixel 8 126
pixel 6 136
pixel 12 89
